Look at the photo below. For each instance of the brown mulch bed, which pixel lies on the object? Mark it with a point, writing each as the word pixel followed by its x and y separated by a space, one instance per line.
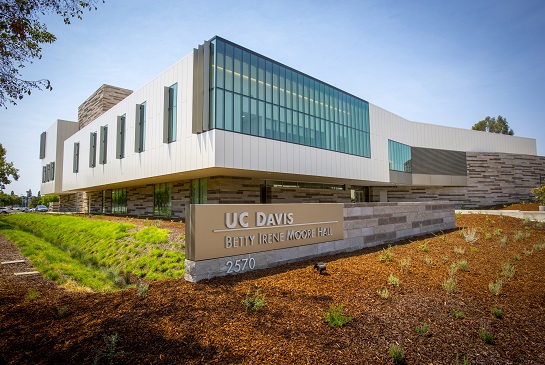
pixel 206 323
pixel 525 207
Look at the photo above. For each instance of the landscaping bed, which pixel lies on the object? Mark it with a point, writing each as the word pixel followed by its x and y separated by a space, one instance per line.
pixel 440 312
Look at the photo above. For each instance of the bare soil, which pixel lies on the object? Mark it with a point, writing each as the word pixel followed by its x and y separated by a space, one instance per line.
pixel 206 323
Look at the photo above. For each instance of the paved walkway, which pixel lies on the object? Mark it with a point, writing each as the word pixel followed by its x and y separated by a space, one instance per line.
pixel 535 216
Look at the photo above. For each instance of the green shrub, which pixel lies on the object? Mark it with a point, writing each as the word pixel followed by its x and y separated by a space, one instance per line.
pixel 457 314
pixel 397 353
pixel 496 312
pixel 462 264
pixel 383 293
pixel 386 254
pixel 508 269
pixel 423 247
pixel 335 318
pixel 405 265
pixel 393 280
pixel 495 288
pixel 32 294
pixel 470 235
pixel 423 329
pixel 254 301
pixel 485 333
pixel 427 260
pixel 503 242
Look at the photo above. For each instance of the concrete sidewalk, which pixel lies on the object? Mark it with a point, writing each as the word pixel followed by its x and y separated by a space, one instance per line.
pixel 535 216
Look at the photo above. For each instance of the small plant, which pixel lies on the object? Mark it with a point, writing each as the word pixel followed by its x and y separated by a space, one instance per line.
pixel 110 350
pixel 498 232
pixel 503 242
pixel 496 312
pixel 517 257
pixel 465 361
pixel 459 250
pixel 508 269
pixel 462 264
pixel 443 238
pixel 461 233
pixel 405 265
pixel 488 236
pixel 62 311
pixel 473 249
pixel 423 247
pixel 519 235
pixel 254 301
pixel 158 223
pixel 143 290
pixel 393 280
pixel 495 288
pixel 32 294
pixel 386 254
pixel 457 314
pixel 397 353
pixel 526 221
pixel 335 318
pixel 539 246
pixel 423 329
pixel 485 333
pixel 458 215
pixel 450 282
pixel 383 293
pixel 427 260
pixel 527 252
pixel 470 235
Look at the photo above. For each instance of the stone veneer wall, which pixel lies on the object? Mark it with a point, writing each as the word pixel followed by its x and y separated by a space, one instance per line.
pixel 493 178
pixel 365 225
pixel 233 190
pixel 305 195
pixel 99 102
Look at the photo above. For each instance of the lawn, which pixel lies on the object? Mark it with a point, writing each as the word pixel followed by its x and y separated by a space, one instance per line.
pixel 96 254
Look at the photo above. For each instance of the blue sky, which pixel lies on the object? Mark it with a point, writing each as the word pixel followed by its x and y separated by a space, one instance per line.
pixel 447 63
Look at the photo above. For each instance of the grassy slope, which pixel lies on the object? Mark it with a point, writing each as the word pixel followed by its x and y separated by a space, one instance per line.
pixel 96 254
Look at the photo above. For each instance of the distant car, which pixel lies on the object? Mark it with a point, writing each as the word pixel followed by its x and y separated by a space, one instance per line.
pixel 4 210
pixel 23 209
pixel 41 208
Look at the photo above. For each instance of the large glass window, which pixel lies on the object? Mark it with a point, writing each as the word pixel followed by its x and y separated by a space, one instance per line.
pixel 119 201
pixel 162 199
pixel 199 191
pixel 255 95
pixel 399 156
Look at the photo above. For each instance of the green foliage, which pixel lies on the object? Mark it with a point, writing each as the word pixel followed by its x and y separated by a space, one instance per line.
pixel 519 235
pixel 462 264
pixel 143 290
pixel 470 235
pixel 493 125
pixel 495 288
pixel 6 168
pixel 397 353
pixel 539 246
pixel 32 294
pixel 498 232
pixel 383 293
pixel 485 333
pixel 427 260
pixel 335 318
pixel 458 250
pixel 503 242
pixel 393 280
pixel 405 264
pixel 496 312
pixel 22 35
pixel 62 311
pixel 457 314
pixel 94 253
pixel 508 269
pixel 423 329
pixel 465 361
pixel 450 283
pixel 423 247
pixel 539 194
pixel 386 254
pixel 254 301
pixel 110 349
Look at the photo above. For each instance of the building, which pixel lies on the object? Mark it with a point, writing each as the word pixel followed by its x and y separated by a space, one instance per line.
pixel 228 125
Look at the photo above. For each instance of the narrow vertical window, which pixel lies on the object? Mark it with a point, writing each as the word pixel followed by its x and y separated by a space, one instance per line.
pixel 103 144
pixel 140 128
pixel 169 125
pixel 44 171
pixel 119 201
pixel 93 149
pixel 75 166
pixel 42 145
pixel 199 191
pixel 120 145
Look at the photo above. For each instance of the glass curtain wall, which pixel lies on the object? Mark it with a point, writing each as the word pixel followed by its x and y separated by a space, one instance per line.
pixel 162 200
pixel 399 156
pixel 119 201
pixel 253 95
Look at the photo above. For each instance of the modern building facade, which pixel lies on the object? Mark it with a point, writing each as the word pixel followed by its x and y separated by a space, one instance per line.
pixel 228 125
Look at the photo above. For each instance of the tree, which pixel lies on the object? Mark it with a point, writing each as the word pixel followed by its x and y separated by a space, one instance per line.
pixel 6 170
pixel 22 36
pixel 493 125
